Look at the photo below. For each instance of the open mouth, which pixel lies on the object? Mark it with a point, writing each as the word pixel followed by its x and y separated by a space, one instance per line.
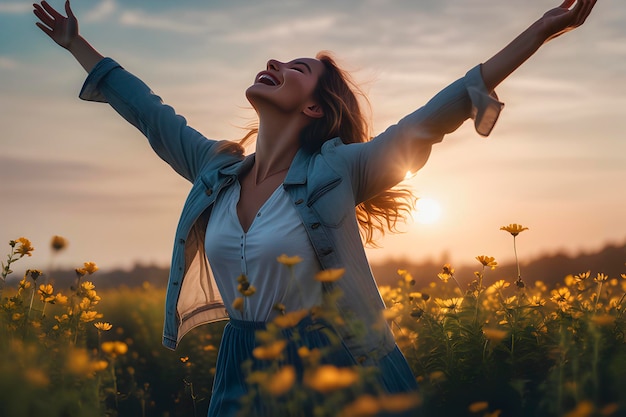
pixel 267 79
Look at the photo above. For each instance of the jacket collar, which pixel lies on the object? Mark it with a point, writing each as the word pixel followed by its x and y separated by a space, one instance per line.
pixel 295 176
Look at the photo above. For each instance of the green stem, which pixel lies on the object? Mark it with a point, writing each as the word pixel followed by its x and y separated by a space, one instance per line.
pixel 519 273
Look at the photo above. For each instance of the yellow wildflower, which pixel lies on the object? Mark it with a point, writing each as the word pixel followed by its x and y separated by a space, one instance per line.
pixel 85 303
pixel 330 275
pixel 478 406
pixel 45 293
pixel 104 326
pixel 603 319
pixel 114 348
pixel 16 316
pixel 562 297
pixel 489 261
pixel 289 260
pixel 446 273
pixel 537 301
pixel 282 381
pixel 290 319
pixel 270 351
pixel 33 273
pixel 87 316
pixel 244 286
pixel 514 229
pixel 327 378
pixel 238 304
pixel 87 285
pixel 90 267
pixel 36 377
pixel 450 304
pixel 601 278
pixel 364 406
pixel 495 336
pixel 398 403
pixel 58 243
pixel 24 248
pixel 60 299
pixel 24 285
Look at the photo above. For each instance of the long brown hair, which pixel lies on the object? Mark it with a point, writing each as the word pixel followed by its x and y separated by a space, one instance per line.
pixel 338 95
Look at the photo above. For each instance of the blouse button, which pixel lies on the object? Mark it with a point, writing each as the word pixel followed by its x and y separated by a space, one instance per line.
pixel 315 225
pixel 299 201
pixel 209 191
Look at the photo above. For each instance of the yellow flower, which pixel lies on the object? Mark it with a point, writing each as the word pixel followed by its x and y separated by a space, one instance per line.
pixel 562 297
pixel 60 299
pixel 446 273
pixel 514 229
pixel 479 406
pixel 289 260
pixel 103 326
pixel 495 336
pixel 87 285
pixel 58 243
pixel 450 304
pixel 364 406
pixel 85 303
pixel 114 348
pixel 16 316
pixel 34 273
pixel 489 261
pixel 601 278
pixel 45 293
pixel 290 319
pixel 24 248
pixel 87 269
pixel 282 381
pixel 246 289
pixel 327 378
pixel 24 284
pixel 270 351
pixel 87 316
pixel 238 304
pixel 330 275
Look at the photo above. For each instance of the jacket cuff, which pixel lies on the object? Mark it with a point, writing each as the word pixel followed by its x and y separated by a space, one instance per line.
pixel 90 90
pixel 486 107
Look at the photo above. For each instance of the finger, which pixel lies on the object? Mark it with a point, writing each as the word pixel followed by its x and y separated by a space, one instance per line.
pixel 567 4
pixel 44 29
pixel 51 10
pixel 585 11
pixel 44 17
pixel 68 9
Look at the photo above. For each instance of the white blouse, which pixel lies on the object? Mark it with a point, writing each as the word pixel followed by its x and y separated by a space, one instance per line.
pixel 276 230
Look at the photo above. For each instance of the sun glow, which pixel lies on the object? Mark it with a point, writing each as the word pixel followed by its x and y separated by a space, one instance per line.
pixel 427 211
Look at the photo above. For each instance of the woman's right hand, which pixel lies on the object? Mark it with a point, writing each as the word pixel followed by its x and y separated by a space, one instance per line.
pixel 63 30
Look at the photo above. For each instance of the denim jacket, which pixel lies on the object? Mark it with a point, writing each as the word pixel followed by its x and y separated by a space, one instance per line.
pixel 325 188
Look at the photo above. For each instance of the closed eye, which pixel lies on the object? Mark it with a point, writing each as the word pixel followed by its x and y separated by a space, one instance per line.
pixel 298 69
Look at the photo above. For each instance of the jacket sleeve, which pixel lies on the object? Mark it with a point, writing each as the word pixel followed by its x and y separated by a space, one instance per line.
pixel 179 145
pixel 383 162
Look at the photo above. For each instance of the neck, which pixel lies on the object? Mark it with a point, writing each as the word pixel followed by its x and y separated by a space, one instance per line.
pixel 277 143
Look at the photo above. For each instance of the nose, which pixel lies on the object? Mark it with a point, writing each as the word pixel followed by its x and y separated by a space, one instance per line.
pixel 273 64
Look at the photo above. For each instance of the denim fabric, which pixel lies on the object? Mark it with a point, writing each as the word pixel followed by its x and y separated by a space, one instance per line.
pixel 324 186
pixel 392 373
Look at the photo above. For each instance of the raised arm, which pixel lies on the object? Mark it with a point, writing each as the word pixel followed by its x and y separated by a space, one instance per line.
pixel 64 31
pixel 552 24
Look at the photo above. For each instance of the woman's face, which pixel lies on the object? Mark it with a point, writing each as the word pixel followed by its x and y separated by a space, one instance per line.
pixel 288 86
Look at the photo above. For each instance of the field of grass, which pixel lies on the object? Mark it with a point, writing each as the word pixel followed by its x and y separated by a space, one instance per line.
pixel 512 348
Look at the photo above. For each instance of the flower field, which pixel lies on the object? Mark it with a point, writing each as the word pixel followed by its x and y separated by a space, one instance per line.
pixel 511 348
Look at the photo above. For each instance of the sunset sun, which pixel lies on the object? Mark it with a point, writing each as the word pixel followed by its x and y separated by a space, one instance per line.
pixel 427 211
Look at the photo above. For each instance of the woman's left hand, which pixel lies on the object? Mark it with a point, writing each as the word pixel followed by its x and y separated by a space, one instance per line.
pixel 563 19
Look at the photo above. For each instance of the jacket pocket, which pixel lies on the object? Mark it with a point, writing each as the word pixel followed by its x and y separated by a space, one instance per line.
pixel 332 202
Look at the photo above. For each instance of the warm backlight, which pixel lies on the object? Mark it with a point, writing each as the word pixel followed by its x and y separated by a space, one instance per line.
pixel 427 211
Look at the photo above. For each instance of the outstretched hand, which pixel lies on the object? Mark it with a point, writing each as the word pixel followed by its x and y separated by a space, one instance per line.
pixel 564 18
pixel 61 29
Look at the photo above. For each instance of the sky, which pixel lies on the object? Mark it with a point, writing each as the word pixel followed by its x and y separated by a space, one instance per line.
pixel 555 162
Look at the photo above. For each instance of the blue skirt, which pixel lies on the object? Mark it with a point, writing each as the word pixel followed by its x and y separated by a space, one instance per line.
pixel 393 373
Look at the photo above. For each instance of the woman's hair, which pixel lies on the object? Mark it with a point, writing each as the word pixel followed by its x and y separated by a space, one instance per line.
pixel 338 95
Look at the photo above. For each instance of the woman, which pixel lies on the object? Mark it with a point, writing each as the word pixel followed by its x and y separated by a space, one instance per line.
pixel 296 195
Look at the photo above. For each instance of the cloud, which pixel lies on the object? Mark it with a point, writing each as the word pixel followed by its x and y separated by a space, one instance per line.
pixel 7 63
pixel 15 8
pixel 169 23
pixel 105 9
